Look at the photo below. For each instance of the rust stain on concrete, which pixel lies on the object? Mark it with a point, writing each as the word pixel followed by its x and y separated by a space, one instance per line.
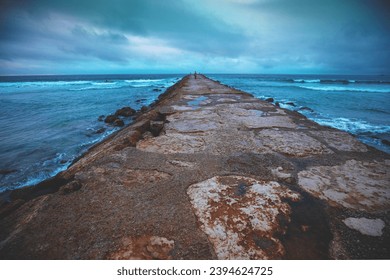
pixel 242 217
pixel 145 247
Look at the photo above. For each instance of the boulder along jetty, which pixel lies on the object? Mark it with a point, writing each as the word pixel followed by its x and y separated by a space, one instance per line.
pixel 209 172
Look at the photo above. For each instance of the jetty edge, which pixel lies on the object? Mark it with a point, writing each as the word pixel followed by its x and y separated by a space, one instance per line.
pixel 209 172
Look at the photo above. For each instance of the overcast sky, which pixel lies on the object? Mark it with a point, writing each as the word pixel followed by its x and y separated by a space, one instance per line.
pixel 181 36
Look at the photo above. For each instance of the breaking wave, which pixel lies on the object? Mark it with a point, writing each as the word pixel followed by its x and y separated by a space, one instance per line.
pixel 353 126
pixel 338 81
pixel 306 81
pixel 341 88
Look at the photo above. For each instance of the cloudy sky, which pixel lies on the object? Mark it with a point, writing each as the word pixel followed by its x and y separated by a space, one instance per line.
pixel 180 36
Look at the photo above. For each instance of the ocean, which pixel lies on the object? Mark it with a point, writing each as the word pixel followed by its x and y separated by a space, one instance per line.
pixel 48 121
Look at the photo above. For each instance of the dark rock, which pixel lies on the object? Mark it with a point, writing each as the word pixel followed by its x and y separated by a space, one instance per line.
pixel 45 187
pixel 156 127
pixel 101 118
pixel 118 122
pixel 290 103
pixel 269 99
pixel 110 119
pixel 306 109
pixel 144 109
pixel 63 161
pixel 130 141
pixel 277 104
pixel 156 89
pixel 138 101
pixel 100 130
pixel 71 187
pixel 125 112
pixel 114 120
pixel 386 142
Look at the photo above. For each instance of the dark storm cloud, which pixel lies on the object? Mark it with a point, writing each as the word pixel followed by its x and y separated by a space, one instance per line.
pixel 29 38
pixel 349 36
pixel 356 47
pixel 325 9
pixel 171 20
pixel 340 36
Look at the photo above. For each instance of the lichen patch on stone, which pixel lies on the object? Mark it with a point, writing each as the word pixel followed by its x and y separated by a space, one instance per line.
pixel 242 216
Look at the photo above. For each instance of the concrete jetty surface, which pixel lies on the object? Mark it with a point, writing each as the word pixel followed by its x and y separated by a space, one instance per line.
pixel 209 172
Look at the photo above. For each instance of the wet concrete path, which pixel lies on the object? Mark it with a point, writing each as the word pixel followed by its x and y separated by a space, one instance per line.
pixel 209 172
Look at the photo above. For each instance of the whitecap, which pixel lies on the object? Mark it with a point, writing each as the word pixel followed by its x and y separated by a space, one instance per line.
pixel 340 88
pixel 353 126
pixel 307 81
pixel 114 86
pixel 144 80
pixel 44 84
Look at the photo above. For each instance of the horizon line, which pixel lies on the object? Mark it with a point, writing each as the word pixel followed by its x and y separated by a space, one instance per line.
pixel 203 73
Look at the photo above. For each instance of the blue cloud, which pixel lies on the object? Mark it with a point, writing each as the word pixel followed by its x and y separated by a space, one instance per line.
pixel 348 36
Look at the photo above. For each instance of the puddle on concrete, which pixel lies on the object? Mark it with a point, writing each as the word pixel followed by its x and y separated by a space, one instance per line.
pixel 256 113
pixel 308 234
pixel 196 102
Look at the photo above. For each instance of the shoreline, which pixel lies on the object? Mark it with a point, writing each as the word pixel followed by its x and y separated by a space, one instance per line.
pixel 37 146
pixel 54 183
pixel 202 135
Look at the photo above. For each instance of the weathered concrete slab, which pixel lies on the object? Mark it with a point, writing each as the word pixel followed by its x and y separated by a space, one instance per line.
pixel 241 216
pixel 209 172
pixel 172 144
pixel 341 141
pixel 354 184
pixel 292 143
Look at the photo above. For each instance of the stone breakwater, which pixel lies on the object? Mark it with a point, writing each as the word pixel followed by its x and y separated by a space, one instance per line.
pixel 209 172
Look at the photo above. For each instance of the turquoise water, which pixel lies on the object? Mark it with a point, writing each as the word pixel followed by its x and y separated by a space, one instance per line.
pixel 359 105
pixel 46 122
